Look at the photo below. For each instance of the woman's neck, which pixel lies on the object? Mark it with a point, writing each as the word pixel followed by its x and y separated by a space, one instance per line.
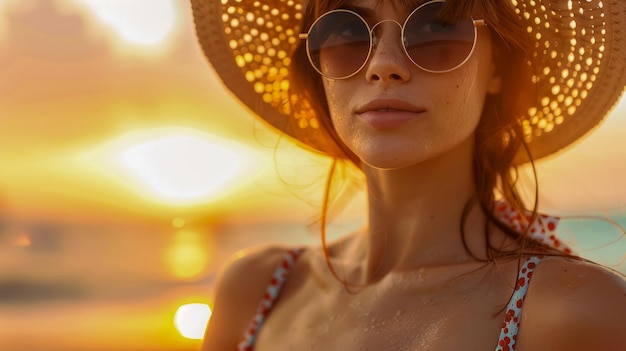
pixel 415 215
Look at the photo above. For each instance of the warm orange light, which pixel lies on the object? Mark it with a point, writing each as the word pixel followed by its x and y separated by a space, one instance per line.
pixel 617 118
pixel 177 165
pixel 191 320
pixel 22 240
pixel 182 167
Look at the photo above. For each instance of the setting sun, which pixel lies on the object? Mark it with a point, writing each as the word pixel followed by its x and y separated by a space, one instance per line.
pixel 182 167
pixel 177 165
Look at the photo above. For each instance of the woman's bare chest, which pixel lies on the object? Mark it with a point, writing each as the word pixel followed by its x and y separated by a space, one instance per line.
pixel 386 318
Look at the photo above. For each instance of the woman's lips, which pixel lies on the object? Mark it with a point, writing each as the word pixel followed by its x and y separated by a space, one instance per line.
pixel 388 119
pixel 388 113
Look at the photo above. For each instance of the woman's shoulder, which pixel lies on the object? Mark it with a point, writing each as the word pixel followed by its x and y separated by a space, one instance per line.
pixel 254 261
pixel 575 279
pixel 240 286
pixel 574 304
pixel 250 271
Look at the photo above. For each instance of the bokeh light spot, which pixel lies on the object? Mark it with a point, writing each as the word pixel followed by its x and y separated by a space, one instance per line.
pixel 178 223
pixel 22 240
pixel 191 320
pixel 187 257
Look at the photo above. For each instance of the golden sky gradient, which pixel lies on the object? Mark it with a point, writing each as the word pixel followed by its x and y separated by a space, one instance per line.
pixel 75 95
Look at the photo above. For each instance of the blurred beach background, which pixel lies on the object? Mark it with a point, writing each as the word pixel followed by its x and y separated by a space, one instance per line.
pixel 128 176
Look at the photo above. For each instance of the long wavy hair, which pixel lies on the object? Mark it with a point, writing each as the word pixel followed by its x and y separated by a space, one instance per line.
pixel 498 138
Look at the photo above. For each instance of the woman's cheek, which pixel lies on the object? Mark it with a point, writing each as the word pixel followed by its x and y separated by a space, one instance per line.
pixel 468 100
pixel 338 105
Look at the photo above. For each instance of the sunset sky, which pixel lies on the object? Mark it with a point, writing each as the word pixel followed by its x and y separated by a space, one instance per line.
pixel 110 118
pixel 78 96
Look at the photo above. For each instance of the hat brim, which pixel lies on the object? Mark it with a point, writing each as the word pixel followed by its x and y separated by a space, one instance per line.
pixel 586 79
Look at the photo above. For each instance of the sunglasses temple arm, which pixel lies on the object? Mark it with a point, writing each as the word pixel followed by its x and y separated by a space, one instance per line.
pixel 477 23
pixel 303 36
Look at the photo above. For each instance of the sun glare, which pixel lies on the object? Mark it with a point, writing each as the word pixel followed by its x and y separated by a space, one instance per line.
pixel 176 165
pixel 191 320
pixel 141 22
pixel 182 167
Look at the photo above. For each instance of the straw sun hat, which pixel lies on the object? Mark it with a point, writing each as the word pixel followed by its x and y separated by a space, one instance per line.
pixel 579 60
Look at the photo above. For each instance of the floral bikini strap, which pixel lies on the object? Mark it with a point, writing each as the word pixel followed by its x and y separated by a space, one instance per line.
pixel 543 229
pixel 271 294
pixel 513 315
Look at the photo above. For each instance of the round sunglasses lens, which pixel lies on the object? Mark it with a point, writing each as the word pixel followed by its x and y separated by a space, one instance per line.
pixel 338 44
pixel 435 45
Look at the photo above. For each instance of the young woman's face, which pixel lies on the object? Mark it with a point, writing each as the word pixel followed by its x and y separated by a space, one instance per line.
pixel 392 114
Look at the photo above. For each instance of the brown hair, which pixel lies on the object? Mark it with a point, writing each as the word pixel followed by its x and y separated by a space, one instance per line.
pixel 498 137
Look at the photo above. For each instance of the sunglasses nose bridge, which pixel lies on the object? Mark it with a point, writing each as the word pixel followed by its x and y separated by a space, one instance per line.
pixel 377 30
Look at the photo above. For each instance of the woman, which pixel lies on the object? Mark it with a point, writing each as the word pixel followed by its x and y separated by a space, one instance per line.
pixel 436 103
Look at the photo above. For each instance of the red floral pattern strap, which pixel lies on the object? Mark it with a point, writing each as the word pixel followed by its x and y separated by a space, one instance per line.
pixel 271 294
pixel 513 315
pixel 543 229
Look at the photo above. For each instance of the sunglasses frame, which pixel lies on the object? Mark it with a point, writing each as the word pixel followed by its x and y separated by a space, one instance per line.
pixel 305 36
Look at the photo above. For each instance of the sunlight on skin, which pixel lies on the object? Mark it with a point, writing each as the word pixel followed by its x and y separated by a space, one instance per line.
pixel 140 22
pixel 191 320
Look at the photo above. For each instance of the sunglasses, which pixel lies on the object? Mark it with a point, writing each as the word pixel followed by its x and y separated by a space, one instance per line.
pixel 340 42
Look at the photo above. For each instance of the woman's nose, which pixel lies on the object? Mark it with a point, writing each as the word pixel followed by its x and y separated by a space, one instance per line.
pixel 388 60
